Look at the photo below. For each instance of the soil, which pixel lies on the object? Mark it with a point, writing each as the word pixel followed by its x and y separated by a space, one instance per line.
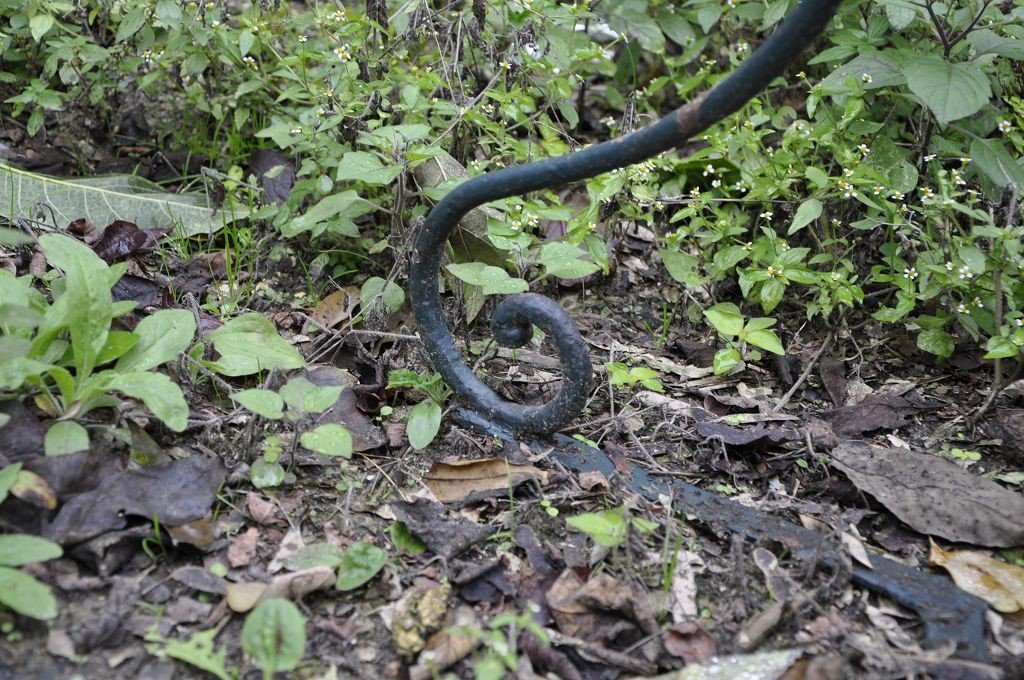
pixel 682 590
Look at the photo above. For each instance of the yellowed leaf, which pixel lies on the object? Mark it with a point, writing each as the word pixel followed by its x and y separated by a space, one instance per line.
pixel 33 489
pixel 455 481
pixel 998 583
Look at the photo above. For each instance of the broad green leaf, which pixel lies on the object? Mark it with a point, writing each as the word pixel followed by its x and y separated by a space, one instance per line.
pixel 8 476
pixel 996 162
pixel 391 137
pixel 19 549
pixel 199 651
pixel 367 168
pixel 771 294
pixel 40 25
pixel 675 27
pixel 817 176
pixel 342 207
pixel 936 341
pixel 132 22
pixel 986 41
pixel 424 422
pixel 403 539
pixel 726 360
pixel 883 67
pixel 951 91
pixel 391 294
pixel 266 403
pixel 162 337
pixel 563 261
pixel 330 439
pixel 900 13
pixel 304 396
pixel 315 555
pixel 726 319
pixel 65 437
pixel 362 561
pixel 635 21
pixel 682 267
pixel 1001 348
pixel 607 529
pixel 84 307
pixel 245 42
pixel 266 475
pixel 25 595
pixel 492 280
pixel 765 339
pixel 808 211
pixel 158 392
pixel 102 200
pixel 250 344
pixel 274 636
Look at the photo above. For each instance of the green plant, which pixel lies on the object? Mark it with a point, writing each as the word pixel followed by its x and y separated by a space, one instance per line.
pixel 619 374
pixel 296 403
pixel 21 592
pixel 424 419
pixel 610 528
pixel 274 636
pixel 500 640
pixel 727 319
pixel 66 354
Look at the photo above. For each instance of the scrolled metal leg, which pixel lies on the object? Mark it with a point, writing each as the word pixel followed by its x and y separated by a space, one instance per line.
pixel 512 320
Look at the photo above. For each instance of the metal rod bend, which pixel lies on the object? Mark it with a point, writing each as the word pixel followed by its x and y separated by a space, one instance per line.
pixel 511 321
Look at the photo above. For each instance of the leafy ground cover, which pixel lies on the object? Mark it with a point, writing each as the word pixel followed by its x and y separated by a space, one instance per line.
pixel 223 452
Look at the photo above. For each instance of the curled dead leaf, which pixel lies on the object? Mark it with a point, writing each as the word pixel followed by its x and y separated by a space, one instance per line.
pixel 468 479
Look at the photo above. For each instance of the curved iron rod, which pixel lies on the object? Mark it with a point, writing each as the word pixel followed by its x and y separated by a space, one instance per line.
pixel 513 317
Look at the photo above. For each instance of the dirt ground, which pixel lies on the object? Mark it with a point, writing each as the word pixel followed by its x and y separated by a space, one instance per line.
pixel 854 434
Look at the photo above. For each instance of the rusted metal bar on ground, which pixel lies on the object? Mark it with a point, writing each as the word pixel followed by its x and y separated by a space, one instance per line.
pixel 948 613
pixel 516 314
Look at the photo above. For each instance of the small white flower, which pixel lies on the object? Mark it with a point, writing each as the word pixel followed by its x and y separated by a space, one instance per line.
pixel 303 38
pixel 716 183
pixel 708 170
pixel 295 131
pixel 977 302
pixel 965 273
pixel 1005 126
pixel 866 77
pixel 766 215
pixel 342 53
pixel 950 266
pixel 929 158
pixel 910 273
pixel 962 309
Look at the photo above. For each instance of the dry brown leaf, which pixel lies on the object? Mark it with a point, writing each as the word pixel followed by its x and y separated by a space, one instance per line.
pixel 998 583
pixel 336 308
pixel 242 547
pixel 241 597
pixel 933 495
pixel 463 479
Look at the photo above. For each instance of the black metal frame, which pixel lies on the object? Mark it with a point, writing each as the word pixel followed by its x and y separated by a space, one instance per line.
pixel 512 320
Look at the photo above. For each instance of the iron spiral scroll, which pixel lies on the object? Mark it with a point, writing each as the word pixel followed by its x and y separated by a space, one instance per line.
pixel 514 316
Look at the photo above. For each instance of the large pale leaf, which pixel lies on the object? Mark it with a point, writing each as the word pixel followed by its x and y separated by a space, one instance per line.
pixel 56 202
pixel 951 91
